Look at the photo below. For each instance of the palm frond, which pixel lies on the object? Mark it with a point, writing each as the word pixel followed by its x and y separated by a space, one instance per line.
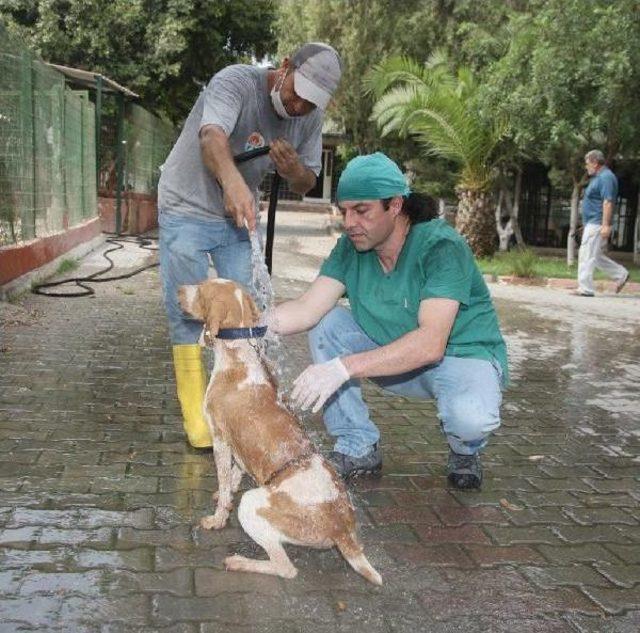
pixel 391 71
pixel 438 107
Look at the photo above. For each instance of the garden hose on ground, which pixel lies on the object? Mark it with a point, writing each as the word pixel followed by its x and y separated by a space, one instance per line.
pixel 143 242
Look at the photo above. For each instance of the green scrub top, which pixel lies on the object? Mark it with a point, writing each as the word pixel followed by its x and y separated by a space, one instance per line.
pixel 435 262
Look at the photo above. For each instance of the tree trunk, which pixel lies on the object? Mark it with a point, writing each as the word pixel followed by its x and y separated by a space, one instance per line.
pixel 573 223
pixel 505 231
pixel 476 221
pixel 515 210
pixel 512 207
pixel 636 241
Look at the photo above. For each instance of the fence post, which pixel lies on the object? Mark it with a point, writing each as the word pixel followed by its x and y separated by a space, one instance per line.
pixel 27 113
pixel 83 208
pixel 119 161
pixel 57 153
pixel 98 126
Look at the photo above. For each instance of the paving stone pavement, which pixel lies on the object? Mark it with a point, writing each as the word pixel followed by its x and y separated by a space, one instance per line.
pixel 100 496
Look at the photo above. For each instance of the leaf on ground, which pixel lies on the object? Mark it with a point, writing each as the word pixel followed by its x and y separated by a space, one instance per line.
pixel 509 506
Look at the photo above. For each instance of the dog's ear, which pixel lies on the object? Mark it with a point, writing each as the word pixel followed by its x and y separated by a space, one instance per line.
pixel 216 314
pixel 190 302
pixel 248 304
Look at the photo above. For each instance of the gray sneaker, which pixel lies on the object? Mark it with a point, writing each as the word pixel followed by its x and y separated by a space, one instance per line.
pixel 348 466
pixel 464 471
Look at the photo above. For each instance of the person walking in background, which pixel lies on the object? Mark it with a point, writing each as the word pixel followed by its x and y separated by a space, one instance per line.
pixel 206 202
pixel 597 214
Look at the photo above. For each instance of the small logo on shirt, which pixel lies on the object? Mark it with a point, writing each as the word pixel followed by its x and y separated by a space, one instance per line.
pixel 254 141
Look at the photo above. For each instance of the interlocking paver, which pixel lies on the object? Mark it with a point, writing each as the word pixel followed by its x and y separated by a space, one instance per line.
pixel 625 623
pixel 628 553
pixel 623 575
pixel 33 612
pixel 101 498
pixel 574 575
pixel 535 534
pixel 490 555
pixel 615 600
pixel 591 516
pixel 568 554
pixel 481 593
pixel 424 554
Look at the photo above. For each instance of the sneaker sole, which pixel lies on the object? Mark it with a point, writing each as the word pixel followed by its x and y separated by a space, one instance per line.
pixel 620 287
pixel 376 471
pixel 470 482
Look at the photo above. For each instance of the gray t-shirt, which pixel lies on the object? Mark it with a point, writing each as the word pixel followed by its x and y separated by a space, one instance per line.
pixel 237 100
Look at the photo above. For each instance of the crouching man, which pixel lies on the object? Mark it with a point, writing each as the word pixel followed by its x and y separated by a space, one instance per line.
pixel 421 324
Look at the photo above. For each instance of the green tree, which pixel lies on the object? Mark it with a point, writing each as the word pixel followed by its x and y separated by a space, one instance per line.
pixel 362 31
pixel 568 82
pixel 164 50
pixel 440 109
pixel 366 31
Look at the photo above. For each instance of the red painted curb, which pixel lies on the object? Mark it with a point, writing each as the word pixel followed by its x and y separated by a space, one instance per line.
pixel 18 259
pixel 631 287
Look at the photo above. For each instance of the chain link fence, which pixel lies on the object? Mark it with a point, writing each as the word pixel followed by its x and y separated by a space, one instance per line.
pixel 148 142
pixel 47 148
pixel 50 175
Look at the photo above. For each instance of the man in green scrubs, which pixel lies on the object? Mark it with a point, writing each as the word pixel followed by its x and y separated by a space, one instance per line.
pixel 421 324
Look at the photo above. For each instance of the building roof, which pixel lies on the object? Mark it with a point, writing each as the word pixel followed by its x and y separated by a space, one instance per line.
pixel 88 78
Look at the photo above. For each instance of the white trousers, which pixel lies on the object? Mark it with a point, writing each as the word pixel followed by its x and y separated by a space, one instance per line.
pixel 592 256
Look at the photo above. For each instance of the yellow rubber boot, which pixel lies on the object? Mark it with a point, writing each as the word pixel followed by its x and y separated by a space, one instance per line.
pixel 191 383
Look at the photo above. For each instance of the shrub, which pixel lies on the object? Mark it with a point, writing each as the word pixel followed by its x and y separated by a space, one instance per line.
pixel 522 263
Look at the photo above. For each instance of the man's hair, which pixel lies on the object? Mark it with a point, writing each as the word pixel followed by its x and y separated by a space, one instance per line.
pixel 419 207
pixel 595 156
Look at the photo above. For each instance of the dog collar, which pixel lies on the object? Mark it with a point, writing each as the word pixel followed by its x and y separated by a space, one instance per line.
pixel 290 464
pixel 232 333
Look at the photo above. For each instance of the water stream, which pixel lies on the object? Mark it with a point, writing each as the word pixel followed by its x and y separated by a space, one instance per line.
pixel 271 345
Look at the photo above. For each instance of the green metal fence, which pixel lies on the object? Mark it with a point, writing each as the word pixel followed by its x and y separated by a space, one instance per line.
pixel 49 171
pixel 148 142
pixel 47 165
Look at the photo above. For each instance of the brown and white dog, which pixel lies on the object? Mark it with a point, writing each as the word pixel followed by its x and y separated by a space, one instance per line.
pixel 299 499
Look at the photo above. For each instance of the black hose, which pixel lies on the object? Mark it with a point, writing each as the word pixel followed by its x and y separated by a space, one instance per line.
pixel 273 201
pixel 271 220
pixel 252 153
pixel 94 278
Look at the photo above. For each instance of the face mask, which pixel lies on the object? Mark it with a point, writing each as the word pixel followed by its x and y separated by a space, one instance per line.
pixel 276 101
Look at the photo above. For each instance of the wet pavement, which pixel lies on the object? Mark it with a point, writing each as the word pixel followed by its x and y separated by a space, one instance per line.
pixel 100 497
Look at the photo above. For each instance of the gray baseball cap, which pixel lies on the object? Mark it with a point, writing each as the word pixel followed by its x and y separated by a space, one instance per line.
pixel 317 71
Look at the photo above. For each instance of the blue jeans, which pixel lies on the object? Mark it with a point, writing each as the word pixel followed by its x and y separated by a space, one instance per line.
pixel 467 391
pixel 185 244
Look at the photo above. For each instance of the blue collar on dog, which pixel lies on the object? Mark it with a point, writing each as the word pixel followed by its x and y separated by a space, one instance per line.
pixel 232 333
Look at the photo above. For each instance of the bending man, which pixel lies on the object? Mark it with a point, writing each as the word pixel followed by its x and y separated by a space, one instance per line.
pixel 206 202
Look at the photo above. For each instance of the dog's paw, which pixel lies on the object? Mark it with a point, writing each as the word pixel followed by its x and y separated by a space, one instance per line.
pixel 214 521
pixel 235 563
pixel 240 563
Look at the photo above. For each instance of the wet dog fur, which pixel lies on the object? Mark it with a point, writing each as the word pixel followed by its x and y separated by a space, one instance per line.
pixel 299 498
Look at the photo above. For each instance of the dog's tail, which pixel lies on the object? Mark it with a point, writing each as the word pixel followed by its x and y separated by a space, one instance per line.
pixel 351 549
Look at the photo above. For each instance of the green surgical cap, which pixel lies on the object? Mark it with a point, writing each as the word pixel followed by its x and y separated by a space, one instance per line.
pixel 371 177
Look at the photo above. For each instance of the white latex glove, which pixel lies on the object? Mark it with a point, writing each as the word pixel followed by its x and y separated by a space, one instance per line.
pixel 317 383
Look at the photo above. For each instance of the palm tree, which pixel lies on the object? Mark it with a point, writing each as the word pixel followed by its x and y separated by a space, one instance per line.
pixel 440 109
